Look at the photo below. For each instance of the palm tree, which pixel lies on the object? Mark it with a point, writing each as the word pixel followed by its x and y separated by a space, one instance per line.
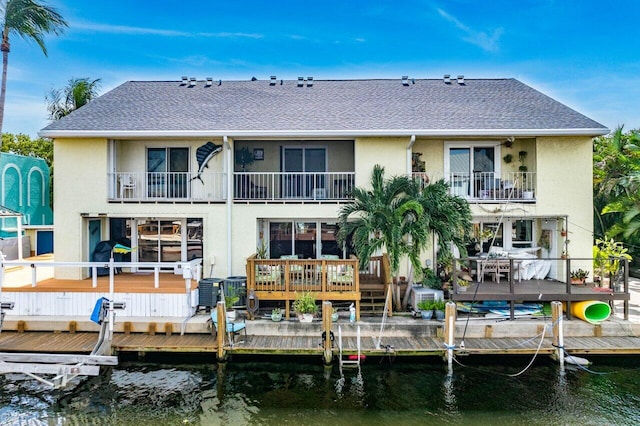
pixel 30 20
pixel 616 175
pixel 78 92
pixel 397 215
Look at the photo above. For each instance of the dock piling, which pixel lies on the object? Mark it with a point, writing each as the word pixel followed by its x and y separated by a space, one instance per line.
pixel 327 310
pixel 558 336
pixel 221 312
pixel 449 332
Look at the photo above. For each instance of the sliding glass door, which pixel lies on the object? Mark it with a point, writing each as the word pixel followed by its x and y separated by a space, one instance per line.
pixel 301 238
pixel 168 172
pixel 304 170
pixel 472 170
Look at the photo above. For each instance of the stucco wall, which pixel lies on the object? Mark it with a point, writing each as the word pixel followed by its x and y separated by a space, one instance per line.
pixel 388 152
pixel 563 187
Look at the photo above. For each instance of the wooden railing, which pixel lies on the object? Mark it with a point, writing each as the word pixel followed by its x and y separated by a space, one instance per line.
pixel 282 279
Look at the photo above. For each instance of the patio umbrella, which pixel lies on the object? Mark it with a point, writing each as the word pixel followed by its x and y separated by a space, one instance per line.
pixel 203 154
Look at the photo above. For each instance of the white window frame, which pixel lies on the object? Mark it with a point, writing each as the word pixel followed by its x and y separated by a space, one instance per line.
pixel 496 145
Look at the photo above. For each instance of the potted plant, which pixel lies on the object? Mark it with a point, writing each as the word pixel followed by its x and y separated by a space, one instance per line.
pixel 430 279
pixel 276 315
pixel 579 276
pixel 305 306
pixel 230 299
pixel 261 250
pixel 244 157
pixel 463 285
pixel 426 309
pixel 438 307
pixel 607 255
pixel 334 315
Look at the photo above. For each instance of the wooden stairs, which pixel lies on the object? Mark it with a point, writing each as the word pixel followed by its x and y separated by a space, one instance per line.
pixel 372 299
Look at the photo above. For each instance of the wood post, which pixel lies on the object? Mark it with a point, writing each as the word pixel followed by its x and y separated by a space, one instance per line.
pixel 327 310
pixel 221 313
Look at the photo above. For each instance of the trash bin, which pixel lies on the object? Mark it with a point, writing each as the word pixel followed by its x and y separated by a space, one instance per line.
pixel 209 292
pixel 237 285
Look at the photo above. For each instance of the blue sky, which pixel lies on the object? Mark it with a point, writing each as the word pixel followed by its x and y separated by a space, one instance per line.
pixel 585 54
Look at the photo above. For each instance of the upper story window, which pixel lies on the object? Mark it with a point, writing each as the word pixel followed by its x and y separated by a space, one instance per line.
pixel 472 168
pixel 168 172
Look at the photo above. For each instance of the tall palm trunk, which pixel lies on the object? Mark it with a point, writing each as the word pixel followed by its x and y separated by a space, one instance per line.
pixel 3 87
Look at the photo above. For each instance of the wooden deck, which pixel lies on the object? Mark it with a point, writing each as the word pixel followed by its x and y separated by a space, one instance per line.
pixel 139 282
pixel 573 345
pixel 535 290
pixel 45 342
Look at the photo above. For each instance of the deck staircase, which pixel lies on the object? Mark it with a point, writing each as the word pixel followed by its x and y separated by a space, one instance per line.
pixel 372 286
pixel 372 299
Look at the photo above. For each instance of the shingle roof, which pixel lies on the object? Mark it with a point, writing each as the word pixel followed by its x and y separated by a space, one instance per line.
pixel 235 108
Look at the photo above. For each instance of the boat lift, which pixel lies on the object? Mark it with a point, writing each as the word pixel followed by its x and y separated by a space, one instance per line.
pixel 65 367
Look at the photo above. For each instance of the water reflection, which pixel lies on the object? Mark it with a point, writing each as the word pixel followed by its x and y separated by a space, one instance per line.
pixel 266 393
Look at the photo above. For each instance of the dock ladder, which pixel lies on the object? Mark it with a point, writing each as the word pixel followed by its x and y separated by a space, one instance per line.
pixel 350 361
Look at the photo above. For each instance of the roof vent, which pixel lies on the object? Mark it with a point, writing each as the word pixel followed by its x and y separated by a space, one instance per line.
pixel 219 82
pixel 192 81
pixel 273 81
pixel 309 81
pixel 254 78
pixel 405 80
pixel 461 79
pixel 300 81
pixel 209 82
pixel 185 80
pixel 447 79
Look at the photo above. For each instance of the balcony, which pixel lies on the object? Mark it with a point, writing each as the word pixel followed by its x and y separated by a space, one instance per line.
pixel 177 186
pixel 293 186
pixel 212 187
pixel 488 186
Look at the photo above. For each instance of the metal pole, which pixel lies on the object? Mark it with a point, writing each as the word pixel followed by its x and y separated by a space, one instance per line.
pixel 450 321
pixel 111 294
pixel 558 337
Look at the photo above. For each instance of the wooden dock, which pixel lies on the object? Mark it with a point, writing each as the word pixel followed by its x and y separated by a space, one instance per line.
pixel 409 346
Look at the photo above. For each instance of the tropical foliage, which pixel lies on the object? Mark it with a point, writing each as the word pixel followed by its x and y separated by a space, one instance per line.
pixel 616 187
pixel 31 20
pixel 400 216
pixel 77 93
pixel 23 145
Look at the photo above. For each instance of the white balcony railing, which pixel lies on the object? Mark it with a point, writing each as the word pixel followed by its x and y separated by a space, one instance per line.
pixel 488 186
pixel 293 186
pixel 175 186
pixel 263 186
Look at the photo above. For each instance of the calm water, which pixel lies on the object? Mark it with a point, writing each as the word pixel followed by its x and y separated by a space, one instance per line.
pixel 305 393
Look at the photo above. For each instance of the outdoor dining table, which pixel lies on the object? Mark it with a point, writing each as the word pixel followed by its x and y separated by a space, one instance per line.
pixel 496 266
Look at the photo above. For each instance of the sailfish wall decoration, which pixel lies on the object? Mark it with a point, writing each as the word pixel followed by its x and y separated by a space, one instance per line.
pixel 203 154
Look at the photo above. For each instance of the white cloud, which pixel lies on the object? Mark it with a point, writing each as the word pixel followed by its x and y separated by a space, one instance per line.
pixel 123 29
pixel 24 114
pixel 486 41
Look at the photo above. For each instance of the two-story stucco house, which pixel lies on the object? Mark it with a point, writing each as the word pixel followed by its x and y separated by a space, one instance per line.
pixel 286 152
